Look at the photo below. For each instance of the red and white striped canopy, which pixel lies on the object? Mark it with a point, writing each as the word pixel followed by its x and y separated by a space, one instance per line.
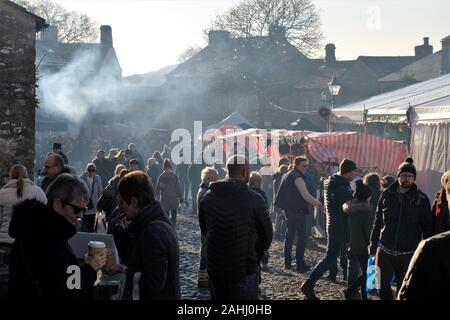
pixel 366 150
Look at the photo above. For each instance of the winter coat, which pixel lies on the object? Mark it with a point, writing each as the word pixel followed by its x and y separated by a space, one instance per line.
pixel 236 223
pixel 47 181
pixel 261 193
pixel 153 172
pixel 41 255
pixel 441 215
pixel 428 276
pixel 401 220
pixel 360 220
pixel 204 187
pixel 109 195
pixel 195 174
pixel 8 198
pixel 337 191
pixel 154 252
pixel 104 169
pixel 95 191
pixel 168 187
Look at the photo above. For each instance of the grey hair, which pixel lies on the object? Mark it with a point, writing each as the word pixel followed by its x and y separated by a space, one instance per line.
pixel 67 188
pixel 208 173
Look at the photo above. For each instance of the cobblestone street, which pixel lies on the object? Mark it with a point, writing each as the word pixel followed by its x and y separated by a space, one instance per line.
pixel 277 283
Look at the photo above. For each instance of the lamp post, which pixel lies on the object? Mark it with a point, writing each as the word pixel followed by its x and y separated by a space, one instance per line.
pixel 334 86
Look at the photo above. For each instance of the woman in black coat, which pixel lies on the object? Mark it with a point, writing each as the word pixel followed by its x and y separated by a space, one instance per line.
pixel 153 262
pixel 41 255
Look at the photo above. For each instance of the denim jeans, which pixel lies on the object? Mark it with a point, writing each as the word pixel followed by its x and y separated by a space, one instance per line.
pixel 280 225
pixel 390 265
pixel 296 224
pixel 333 251
pixel 225 289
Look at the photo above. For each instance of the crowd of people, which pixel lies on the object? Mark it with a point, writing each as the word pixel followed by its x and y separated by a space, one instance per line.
pixel 241 209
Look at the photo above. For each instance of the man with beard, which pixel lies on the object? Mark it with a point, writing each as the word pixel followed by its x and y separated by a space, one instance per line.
pixel 403 219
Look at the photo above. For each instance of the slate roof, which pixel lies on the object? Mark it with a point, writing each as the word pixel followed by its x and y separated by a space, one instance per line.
pixel 427 68
pixel 383 66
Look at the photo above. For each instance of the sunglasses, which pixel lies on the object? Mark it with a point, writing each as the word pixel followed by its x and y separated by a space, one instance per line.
pixel 76 209
pixel 91 170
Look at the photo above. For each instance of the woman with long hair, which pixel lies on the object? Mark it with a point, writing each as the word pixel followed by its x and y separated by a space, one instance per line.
pixel 18 188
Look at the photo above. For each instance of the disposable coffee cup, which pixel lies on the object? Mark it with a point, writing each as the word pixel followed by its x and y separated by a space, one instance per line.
pixel 95 247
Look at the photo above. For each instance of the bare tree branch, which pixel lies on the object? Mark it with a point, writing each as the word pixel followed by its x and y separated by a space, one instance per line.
pixel 254 17
pixel 72 26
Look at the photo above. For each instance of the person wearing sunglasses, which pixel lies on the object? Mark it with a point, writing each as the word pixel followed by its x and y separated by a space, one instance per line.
pixel 94 184
pixel 42 263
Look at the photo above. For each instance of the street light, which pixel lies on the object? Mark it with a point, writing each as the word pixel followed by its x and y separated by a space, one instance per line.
pixel 334 86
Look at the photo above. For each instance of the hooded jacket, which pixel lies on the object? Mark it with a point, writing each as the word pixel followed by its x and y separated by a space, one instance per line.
pixel 154 252
pixel 401 220
pixel 41 254
pixel 360 221
pixel 236 223
pixel 337 191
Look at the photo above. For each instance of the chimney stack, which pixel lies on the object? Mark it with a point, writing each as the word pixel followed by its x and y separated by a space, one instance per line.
pixel 50 35
pixel 106 36
pixel 218 39
pixel 445 62
pixel 423 50
pixel 330 53
pixel 277 33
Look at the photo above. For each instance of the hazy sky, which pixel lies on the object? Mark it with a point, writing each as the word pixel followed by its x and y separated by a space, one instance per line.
pixel 150 34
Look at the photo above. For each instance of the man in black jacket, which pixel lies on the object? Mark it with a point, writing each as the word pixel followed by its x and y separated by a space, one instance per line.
pixel 235 221
pixel 403 218
pixel 42 262
pixel 337 192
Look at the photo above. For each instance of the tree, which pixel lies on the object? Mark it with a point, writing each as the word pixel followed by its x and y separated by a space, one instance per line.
pixel 188 53
pixel 72 26
pixel 254 17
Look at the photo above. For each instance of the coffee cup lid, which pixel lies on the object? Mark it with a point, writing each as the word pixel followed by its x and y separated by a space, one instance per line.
pixel 96 244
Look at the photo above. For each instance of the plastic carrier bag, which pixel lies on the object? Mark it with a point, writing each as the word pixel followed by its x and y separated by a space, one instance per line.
pixel 373 282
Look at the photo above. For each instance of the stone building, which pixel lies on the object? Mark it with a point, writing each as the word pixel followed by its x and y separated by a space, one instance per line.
pixel 18 29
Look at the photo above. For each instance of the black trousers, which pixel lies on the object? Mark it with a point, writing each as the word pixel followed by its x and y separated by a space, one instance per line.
pixel 390 265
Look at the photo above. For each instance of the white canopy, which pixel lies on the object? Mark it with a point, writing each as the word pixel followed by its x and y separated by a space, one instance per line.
pixel 429 102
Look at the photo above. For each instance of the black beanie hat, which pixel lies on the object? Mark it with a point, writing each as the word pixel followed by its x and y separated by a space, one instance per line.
pixel 362 191
pixel 407 166
pixel 347 166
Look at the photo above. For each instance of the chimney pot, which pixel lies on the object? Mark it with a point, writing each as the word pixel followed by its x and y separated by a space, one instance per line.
pixel 277 33
pixel 330 53
pixel 218 38
pixel 106 36
pixel 445 60
pixel 423 50
pixel 50 35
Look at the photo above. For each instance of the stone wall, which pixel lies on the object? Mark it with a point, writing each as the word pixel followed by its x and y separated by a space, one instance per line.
pixel 17 89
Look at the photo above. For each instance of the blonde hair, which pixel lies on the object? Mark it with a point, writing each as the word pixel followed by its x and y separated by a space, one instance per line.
pixel 19 172
pixel 208 173
pixel 255 180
